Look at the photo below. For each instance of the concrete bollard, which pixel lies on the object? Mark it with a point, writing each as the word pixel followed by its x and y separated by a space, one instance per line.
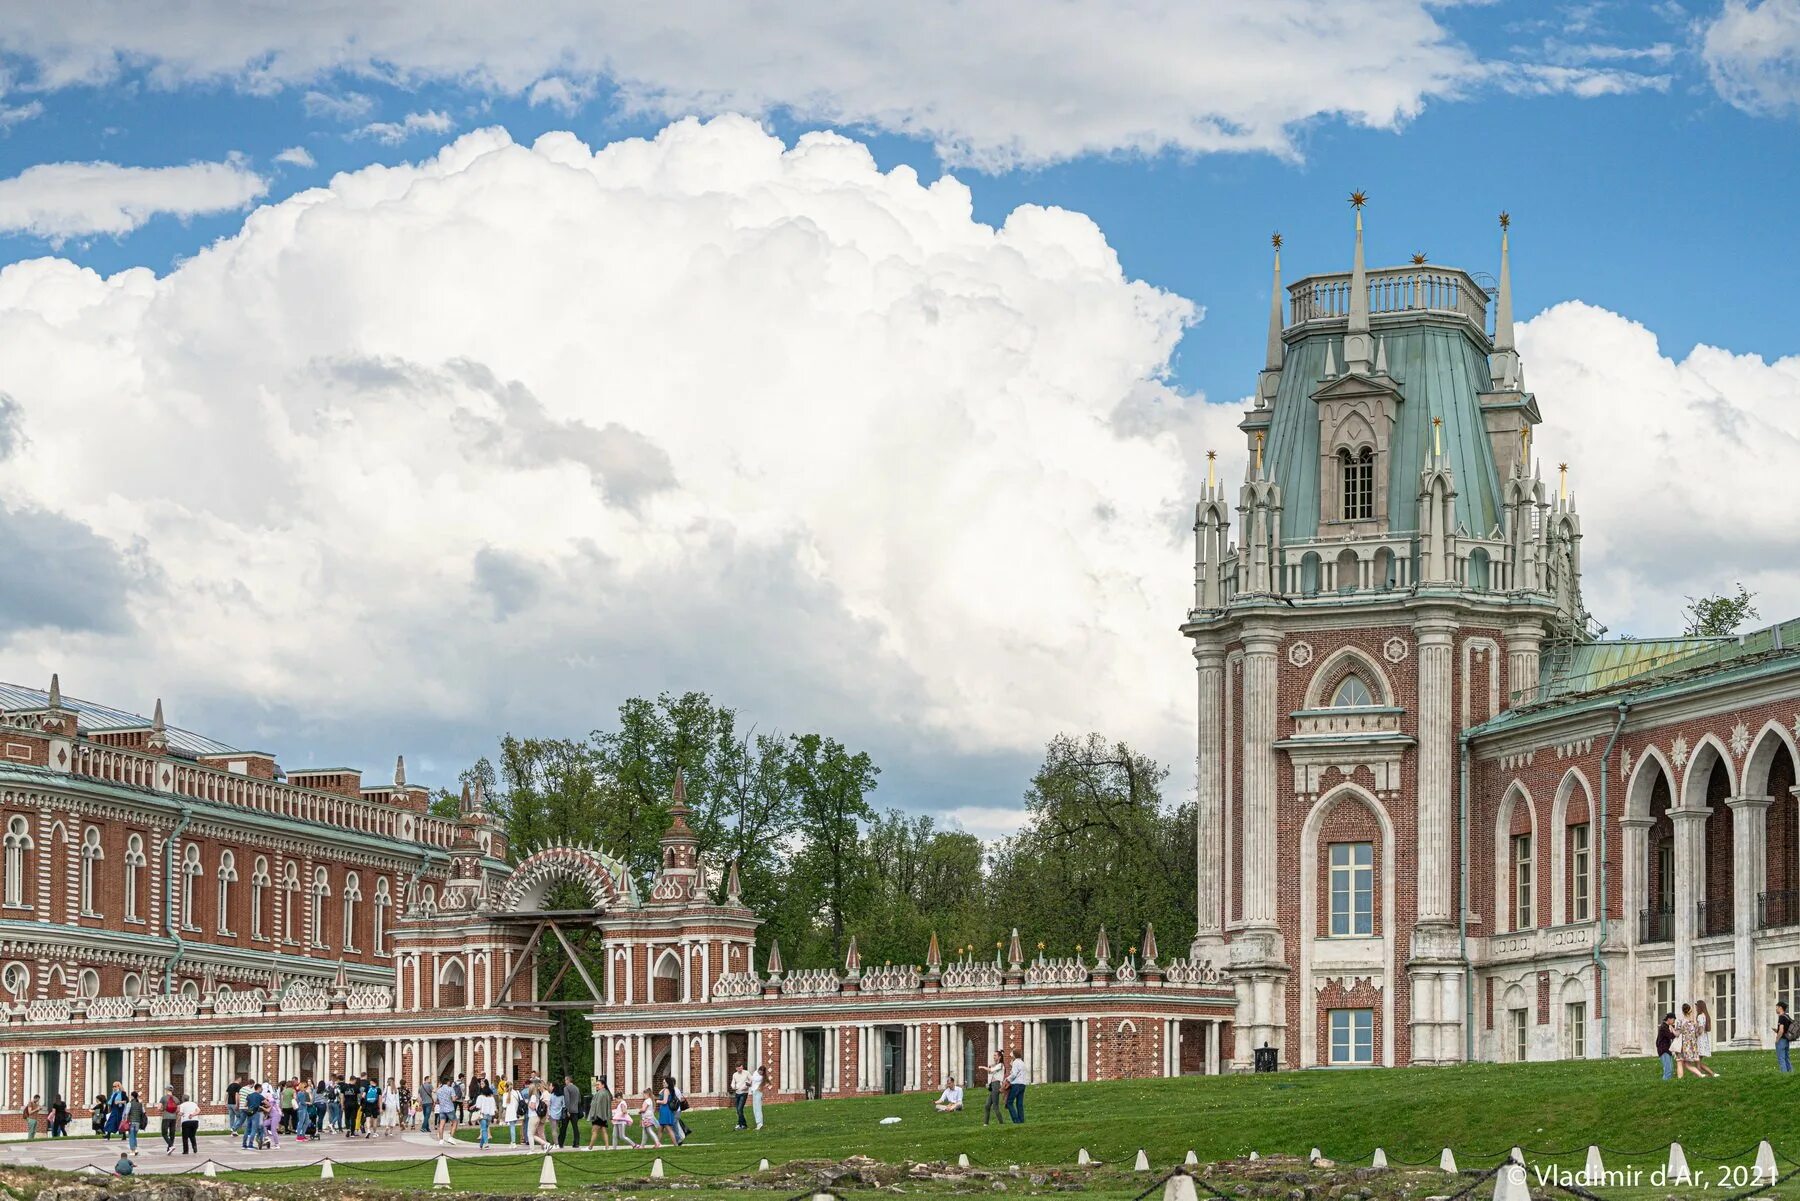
pixel 962 1159
pixel 1447 1162
pixel 325 1172
pixel 547 1177
pixel 762 1165
pixel 1180 1188
pixel 1082 1158
pixel 1254 1157
pixel 441 1177
pixel 1595 1168
pixel 1765 1162
pixel 1516 1156
pixel 1315 1155
pixel 656 1168
pixel 1509 1183
pixel 1143 1162
pixel 1678 1165
pixel 1191 1159
pixel 1380 1160
pixel 207 1170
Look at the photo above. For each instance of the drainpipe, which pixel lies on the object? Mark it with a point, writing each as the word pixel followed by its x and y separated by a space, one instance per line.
pixel 1600 939
pixel 169 923
pixel 1462 903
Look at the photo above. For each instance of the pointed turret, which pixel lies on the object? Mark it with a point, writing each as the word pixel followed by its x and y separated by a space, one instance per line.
pixel 55 692
pixel 1359 349
pixel 934 958
pixel 1270 380
pixel 774 964
pixel 734 889
pixel 1503 364
pixel 853 959
pixel 1015 952
pixel 1149 944
pixel 1102 951
pixel 159 730
pixel 156 720
pixel 399 771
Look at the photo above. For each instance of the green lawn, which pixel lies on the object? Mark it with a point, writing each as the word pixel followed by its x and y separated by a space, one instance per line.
pixel 1552 1110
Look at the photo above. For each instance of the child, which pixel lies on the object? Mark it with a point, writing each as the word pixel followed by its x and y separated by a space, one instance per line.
pixel 647 1119
pixel 621 1120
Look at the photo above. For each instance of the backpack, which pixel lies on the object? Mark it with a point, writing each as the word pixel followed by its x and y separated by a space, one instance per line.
pixel 543 1108
pixel 373 1096
pixel 169 1105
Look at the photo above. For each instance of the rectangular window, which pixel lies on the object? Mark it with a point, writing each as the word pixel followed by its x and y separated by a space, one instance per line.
pixel 1524 918
pixel 1578 873
pixel 1724 1008
pixel 1575 1030
pixel 1787 986
pixel 1352 888
pixel 1359 484
pixel 1665 876
pixel 1517 1028
pixel 1662 1000
pixel 1352 1036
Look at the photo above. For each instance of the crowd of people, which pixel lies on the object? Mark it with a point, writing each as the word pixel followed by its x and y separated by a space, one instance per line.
pixel 1684 1043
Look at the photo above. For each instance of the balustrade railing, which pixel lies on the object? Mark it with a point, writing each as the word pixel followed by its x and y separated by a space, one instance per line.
pixel 1391 290
pixel 1776 908
pixel 1712 918
pixel 1656 925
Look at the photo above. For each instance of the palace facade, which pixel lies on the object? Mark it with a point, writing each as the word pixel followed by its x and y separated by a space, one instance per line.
pixel 1440 819
pixel 176 911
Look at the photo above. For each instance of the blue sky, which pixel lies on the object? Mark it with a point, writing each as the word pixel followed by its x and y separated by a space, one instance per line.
pixel 1649 155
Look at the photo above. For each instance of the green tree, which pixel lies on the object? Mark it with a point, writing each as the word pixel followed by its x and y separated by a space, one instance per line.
pixel 1719 615
pixel 830 788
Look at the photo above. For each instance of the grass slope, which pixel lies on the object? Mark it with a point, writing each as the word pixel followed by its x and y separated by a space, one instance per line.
pixel 1553 1110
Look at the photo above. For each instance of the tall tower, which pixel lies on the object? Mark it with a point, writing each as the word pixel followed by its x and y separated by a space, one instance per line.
pixel 1395 574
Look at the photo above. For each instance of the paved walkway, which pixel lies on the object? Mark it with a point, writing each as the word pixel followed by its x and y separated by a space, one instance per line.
pixel 73 1154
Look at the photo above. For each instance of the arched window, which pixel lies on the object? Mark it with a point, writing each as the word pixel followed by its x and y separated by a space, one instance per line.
pixel 18 845
pixel 91 855
pixel 132 986
pixel 190 871
pixel 259 895
pixel 15 980
pixel 453 988
pixel 88 984
pixel 190 990
pixel 1358 475
pixel 666 982
pixel 227 877
pixel 383 902
pixel 1352 693
pixel 290 899
pixel 321 888
pixel 134 877
pixel 352 894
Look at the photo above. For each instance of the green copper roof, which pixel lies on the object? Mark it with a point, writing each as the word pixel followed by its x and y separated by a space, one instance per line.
pixel 1441 372
pixel 1569 670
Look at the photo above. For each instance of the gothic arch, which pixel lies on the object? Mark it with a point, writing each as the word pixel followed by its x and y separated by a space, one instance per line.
pixel 604 880
pixel 1699 771
pixel 1504 917
pixel 1650 762
pixel 1771 738
pixel 1336 666
pixel 1562 882
pixel 1345 794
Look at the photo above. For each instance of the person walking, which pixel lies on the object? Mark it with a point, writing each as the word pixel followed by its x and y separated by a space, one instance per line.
pixel 554 1098
pixel 1704 1024
pixel 189 1113
pixel 252 1099
pixel 1016 1080
pixel 757 1078
pixel 290 1108
pixel 371 1105
pixel 621 1122
pixel 538 1118
pixel 571 1123
pixel 1687 1031
pixel 135 1120
pixel 665 1110
pixel 390 1109
pixel 512 1111
pixel 169 1106
pixel 33 1111
pixel 996 1084
pixel 600 1115
pixel 647 1120
pixel 112 1118
pixel 271 1123
pixel 60 1117
pixel 446 1112
pixel 234 1110
pixel 740 1094
pixel 303 1110
pixel 1784 1034
pixel 484 1114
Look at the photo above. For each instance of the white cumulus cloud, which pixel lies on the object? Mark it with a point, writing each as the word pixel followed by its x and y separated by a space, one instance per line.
pixel 410 126
pixel 1752 53
pixel 66 200
pixel 997 83
pixel 296 156
pixel 496 439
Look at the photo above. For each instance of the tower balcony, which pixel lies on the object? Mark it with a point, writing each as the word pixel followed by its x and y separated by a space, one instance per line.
pixel 1322 301
pixel 1364 566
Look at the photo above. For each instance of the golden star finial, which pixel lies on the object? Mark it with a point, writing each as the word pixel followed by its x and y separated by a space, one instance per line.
pixel 1419 259
pixel 1505 219
pixel 1275 239
pixel 1358 199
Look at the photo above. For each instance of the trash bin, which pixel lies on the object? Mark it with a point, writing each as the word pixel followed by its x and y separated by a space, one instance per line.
pixel 1265 1058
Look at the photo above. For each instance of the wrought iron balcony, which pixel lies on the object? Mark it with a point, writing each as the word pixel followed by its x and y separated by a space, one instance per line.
pixel 1778 907
pixel 1656 925
pixel 1712 918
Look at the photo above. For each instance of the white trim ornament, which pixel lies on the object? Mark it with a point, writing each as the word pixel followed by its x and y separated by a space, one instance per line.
pixel 1395 650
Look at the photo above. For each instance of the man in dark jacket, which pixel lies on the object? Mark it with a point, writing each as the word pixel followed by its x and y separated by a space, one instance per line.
pixel 571 1123
pixel 1665 1041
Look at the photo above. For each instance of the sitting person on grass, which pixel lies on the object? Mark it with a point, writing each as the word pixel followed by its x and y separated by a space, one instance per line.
pixel 950 1100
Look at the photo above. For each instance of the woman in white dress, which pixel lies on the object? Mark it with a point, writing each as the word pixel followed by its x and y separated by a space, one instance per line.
pixel 390 1108
pixel 1703 1020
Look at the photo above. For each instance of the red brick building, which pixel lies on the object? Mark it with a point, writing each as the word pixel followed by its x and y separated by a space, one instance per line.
pixel 1439 817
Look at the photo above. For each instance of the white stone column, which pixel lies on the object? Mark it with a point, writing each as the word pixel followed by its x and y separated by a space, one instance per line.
pixel 1523 644
pixel 1436 759
pixel 1260 701
pixel 1210 818
pixel 1690 887
pixel 1750 869
pixel 1634 849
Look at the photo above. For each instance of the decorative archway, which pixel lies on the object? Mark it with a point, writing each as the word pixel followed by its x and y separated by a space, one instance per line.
pixel 604 880
pixel 1353 795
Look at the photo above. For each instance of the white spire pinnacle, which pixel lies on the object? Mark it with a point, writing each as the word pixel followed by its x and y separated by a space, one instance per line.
pixel 1359 349
pixel 1503 317
pixel 1276 350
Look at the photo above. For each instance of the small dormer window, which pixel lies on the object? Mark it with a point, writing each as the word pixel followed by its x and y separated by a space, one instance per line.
pixel 1357 473
pixel 1353 693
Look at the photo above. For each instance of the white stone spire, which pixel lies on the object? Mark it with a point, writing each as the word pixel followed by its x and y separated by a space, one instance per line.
pixel 1277 351
pixel 1503 364
pixel 1359 348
